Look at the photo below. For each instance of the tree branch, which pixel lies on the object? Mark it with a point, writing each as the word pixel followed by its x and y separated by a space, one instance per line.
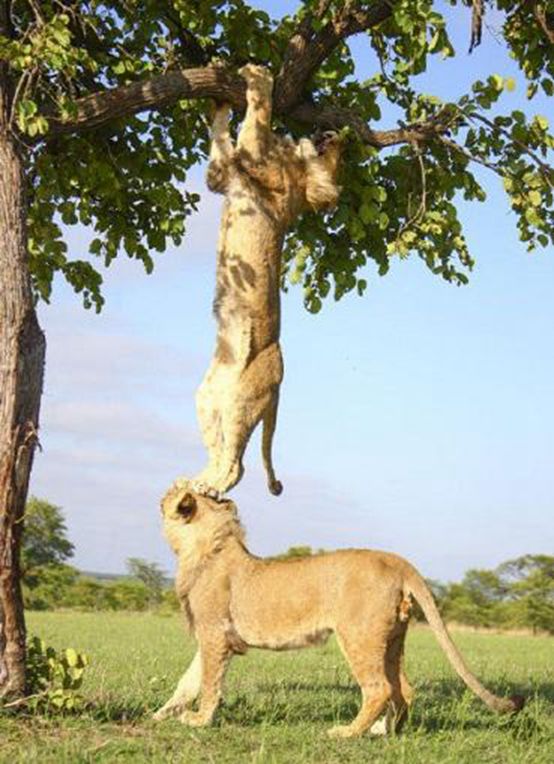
pixel 545 20
pixel 335 118
pixel 97 109
pixel 215 82
pixel 193 51
pixel 496 168
pixel 545 168
pixel 308 49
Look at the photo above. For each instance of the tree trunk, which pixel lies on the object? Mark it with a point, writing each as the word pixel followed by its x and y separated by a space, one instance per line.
pixel 22 348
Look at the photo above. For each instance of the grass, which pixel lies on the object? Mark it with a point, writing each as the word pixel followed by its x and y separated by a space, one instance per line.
pixel 278 705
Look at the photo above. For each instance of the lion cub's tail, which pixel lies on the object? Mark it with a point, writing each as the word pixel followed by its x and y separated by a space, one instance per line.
pixel 416 586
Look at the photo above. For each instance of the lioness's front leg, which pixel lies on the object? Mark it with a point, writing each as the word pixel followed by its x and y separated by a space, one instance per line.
pixel 186 693
pixel 254 141
pixel 221 151
pixel 255 132
pixel 214 659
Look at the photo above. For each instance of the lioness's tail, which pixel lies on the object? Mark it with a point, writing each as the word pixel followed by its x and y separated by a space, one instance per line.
pixel 418 588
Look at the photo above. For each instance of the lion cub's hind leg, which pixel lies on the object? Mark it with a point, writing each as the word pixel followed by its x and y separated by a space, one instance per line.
pixel 365 653
pixel 401 692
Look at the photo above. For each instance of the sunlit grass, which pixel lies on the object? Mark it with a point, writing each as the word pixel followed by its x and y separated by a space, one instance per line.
pixel 278 705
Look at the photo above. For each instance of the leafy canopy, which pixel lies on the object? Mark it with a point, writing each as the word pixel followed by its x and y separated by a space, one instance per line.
pixel 126 179
pixel 150 574
pixel 45 539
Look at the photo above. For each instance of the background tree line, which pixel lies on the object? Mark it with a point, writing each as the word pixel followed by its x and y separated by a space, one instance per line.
pixel 49 582
pixel 517 594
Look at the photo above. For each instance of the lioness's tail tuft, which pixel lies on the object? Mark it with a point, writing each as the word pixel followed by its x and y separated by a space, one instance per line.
pixel 518 702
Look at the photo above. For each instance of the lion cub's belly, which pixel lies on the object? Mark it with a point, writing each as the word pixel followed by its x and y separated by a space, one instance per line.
pixel 285 641
pixel 279 616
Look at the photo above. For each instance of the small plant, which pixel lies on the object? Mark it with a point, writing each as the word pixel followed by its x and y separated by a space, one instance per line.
pixel 54 676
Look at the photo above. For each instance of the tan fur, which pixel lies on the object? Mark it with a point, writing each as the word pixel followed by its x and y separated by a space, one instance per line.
pixel 235 601
pixel 268 182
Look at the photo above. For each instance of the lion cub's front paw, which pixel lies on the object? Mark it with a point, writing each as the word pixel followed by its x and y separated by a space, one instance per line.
pixel 342 730
pixel 195 719
pixel 165 712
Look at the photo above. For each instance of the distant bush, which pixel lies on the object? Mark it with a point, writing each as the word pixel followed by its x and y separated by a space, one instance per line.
pixel 519 593
pixel 61 586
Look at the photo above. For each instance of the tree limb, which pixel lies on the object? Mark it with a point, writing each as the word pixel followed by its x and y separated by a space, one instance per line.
pixel 545 20
pixel 496 168
pixel 545 168
pixel 336 118
pixel 193 51
pixel 99 109
pixel 308 49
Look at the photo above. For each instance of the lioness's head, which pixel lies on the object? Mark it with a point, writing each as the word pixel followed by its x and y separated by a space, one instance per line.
pixel 194 522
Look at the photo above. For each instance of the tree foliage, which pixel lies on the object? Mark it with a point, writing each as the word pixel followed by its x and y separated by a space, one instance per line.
pixel 45 539
pixel 110 98
pixel 518 593
pixel 150 575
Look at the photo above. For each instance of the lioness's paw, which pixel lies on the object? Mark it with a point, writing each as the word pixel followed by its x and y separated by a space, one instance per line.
pixel 194 719
pixel 205 490
pixel 256 75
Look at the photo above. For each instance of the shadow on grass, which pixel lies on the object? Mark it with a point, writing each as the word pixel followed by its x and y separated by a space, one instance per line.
pixel 439 706
pixel 119 712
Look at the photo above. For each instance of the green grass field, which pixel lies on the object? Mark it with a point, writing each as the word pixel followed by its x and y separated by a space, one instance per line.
pixel 279 705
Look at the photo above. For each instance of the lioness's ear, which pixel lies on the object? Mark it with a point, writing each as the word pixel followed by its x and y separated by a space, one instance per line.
pixel 186 507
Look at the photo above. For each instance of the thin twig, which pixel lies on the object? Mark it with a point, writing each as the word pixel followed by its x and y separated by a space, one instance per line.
pixel 22 701
pixel 546 168
pixel 472 157
pixel 420 212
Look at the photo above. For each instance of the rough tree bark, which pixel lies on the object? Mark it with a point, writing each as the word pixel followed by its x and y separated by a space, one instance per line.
pixel 22 348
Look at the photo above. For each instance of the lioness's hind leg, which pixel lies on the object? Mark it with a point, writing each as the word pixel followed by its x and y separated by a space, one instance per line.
pixel 367 662
pixel 186 693
pixel 251 396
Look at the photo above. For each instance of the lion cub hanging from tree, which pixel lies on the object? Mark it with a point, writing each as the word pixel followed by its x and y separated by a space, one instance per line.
pixel 268 181
pixel 235 601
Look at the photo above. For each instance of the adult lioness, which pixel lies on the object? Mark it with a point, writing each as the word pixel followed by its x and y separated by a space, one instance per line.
pixel 268 181
pixel 235 601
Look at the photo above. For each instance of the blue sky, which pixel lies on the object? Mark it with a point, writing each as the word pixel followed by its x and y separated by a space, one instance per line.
pixel 419 418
